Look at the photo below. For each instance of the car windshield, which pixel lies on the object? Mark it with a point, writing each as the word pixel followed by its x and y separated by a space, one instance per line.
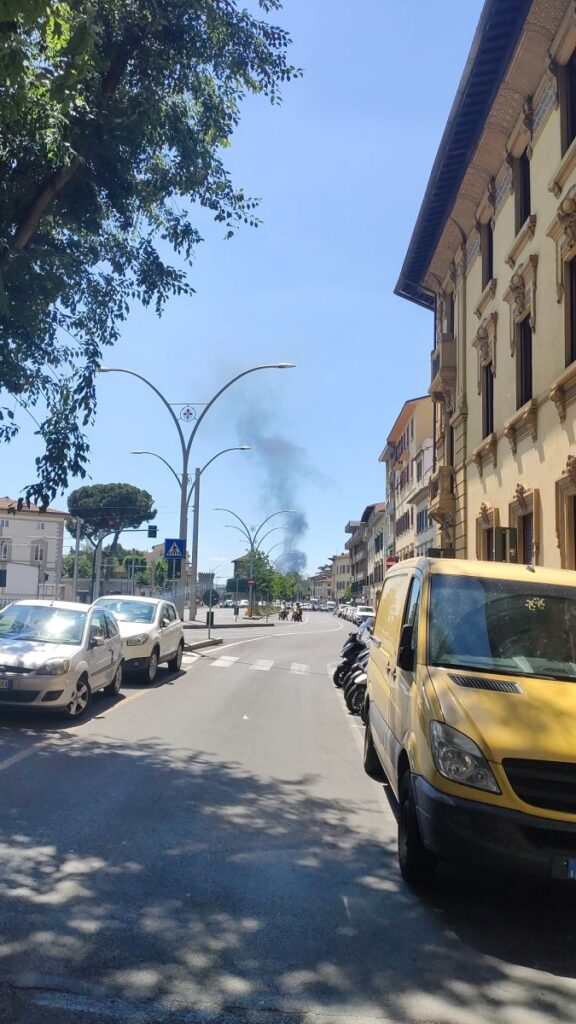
pixel 42 622
pixel 131 611
pixel 520 627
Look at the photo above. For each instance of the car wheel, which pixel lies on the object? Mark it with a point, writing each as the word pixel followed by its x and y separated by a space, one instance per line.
pixel 175 662
pixel 371 761
pixel 113 688
pixel 417 864
pixel 151 670
pixel 80 699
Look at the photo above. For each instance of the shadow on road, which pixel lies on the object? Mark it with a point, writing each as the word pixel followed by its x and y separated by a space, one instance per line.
pixel 223 890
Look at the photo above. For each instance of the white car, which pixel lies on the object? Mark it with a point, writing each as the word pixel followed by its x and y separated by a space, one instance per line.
pixel 55 654
pixel 151 630
pixel 362 611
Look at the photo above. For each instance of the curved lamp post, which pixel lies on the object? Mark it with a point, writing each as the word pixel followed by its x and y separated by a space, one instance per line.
pixel 253 537
pixel 186 445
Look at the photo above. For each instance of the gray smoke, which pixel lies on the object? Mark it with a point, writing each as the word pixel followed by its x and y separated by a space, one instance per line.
pixel 285 466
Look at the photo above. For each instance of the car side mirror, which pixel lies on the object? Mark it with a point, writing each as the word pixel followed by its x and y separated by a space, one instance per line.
pixel 97 641
pixel 405 651
pixel 165 622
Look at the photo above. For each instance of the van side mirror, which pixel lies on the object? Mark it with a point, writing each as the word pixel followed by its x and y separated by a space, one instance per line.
pixel 405 652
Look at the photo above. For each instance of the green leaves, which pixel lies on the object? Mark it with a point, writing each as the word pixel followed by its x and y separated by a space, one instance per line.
pixel 114 117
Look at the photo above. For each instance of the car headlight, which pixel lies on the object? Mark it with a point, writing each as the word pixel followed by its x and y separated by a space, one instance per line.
pixel 459 759
pixel 54 667
pixel 136 641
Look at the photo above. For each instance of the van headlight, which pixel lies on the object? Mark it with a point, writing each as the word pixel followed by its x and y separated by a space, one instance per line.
pixel 136 641
pixel 459 759
pixel 54 667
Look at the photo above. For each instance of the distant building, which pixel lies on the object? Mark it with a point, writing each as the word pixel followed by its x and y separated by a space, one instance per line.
pixel 31 547
pixel 404 457
pixel 341 575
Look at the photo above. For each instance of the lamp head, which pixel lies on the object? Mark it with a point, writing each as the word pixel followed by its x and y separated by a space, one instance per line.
pixel 245 448
pixel 284 366
pixel 137 451
pixel 103 369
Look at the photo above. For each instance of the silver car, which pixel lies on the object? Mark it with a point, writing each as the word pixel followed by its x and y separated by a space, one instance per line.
pixel 55 654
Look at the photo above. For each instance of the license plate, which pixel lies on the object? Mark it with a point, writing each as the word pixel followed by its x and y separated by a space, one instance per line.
pixel 5 684
pixel 571 869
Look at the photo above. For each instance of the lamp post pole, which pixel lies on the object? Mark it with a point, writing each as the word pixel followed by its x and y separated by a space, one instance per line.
pixel 252 538
pixel 186 446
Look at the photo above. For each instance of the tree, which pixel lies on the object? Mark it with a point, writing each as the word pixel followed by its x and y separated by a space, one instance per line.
pixel 109 508
pixel 85 558
pixel 115 115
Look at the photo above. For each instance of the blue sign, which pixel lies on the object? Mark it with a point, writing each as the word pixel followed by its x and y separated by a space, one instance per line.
pixel 175 547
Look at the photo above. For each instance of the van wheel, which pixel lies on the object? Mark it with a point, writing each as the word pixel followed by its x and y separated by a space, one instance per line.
pixel 372 765
pixel 417 864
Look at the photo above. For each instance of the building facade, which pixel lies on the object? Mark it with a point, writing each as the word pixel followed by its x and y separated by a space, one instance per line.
pixel 31 547
pixel 341 575
pixel 375 552
pixel 493 254
pixel 404 458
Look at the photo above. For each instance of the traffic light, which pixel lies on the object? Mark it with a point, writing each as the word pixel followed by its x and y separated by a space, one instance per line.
pixel 152 531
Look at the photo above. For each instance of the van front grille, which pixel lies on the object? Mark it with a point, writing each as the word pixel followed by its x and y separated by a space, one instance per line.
pixel 548 784
pixel 478 683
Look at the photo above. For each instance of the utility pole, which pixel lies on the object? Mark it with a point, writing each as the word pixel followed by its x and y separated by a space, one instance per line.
pixel 79 523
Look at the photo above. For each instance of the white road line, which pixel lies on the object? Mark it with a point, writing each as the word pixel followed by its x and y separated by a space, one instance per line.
pixel 262 665
pixel 298 669
pixel 224 662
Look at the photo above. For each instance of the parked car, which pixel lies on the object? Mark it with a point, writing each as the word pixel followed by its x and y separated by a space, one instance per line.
pixel 55 654
pixel 471 714
pixel 151 631
pixel 362 611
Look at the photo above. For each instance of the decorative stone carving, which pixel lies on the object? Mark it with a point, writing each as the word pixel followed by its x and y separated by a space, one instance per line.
pixel 562 231
pixel 570 470
pixel 485 512
pixel 486 451
pixel 485 344
pixel 521 297
pixel 486 297
pixel 556 395
pixel 520 493
pixel 525 235
pixel 524 422
pixel 563 390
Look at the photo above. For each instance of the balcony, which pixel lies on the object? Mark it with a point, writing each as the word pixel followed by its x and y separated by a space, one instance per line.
pixel 443 367
pixel 441 496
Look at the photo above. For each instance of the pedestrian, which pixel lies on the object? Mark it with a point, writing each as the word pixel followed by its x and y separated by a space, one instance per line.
pixel 236 611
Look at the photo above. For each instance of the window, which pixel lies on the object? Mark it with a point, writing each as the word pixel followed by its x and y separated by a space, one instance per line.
pixel 522 202
pixel 570 292
pixel 419 470
pixel 98 627
pixel 524 363
pixel 487 253
pixel 38 552
pixel 450 313
pixel 40 526
pixel 526 531
pixel 567 93
pixel 5 546
pixel 411 613
pixel 487 400
pixel 4 522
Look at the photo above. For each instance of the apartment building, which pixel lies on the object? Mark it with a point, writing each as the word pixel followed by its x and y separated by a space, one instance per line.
pixel 376 527
pixel 341 575
pixel 493 257
pixel 31 546
pixel 404 458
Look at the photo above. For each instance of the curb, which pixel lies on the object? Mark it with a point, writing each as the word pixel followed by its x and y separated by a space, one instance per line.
pixel 232 625
pixel 197 645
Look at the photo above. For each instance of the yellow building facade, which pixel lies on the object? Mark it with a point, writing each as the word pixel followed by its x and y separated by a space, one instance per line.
pixel 494 255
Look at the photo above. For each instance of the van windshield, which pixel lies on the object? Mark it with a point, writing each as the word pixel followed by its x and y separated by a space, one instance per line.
pixel 519 627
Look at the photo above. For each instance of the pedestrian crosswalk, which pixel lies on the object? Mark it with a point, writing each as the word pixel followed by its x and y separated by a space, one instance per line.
pixel 261 665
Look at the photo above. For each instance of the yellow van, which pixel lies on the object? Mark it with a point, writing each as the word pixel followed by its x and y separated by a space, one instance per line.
pixel 471 714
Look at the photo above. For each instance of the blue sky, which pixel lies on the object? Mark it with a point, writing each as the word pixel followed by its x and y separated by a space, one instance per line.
pixel 341 168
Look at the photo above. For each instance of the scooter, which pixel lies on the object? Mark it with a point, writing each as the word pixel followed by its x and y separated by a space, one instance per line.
pixel 353 646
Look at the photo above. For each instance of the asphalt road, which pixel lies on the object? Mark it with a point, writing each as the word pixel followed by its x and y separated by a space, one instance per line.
pixel 209 849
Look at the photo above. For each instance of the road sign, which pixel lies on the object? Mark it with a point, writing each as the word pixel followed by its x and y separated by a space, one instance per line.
pixel 210 597
pixel 175 547
pixel 251 582
pixel 390 561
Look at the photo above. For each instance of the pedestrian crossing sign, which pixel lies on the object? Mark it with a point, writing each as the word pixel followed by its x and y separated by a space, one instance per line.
pixel 175 547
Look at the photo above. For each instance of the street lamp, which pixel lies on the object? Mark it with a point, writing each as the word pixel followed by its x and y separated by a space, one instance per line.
pixel 253 538
pixel 186 446
pixel 194 487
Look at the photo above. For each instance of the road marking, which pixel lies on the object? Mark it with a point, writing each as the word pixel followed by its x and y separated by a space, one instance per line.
pixel 262 665
pixel 298 669
pixel 224 662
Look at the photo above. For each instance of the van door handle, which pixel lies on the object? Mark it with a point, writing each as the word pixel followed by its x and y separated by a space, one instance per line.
pixel 374 640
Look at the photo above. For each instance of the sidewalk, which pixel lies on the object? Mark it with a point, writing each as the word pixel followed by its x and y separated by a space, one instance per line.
pixel 224 619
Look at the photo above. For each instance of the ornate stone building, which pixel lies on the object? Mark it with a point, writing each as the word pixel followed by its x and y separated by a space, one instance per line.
pixel 493 254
